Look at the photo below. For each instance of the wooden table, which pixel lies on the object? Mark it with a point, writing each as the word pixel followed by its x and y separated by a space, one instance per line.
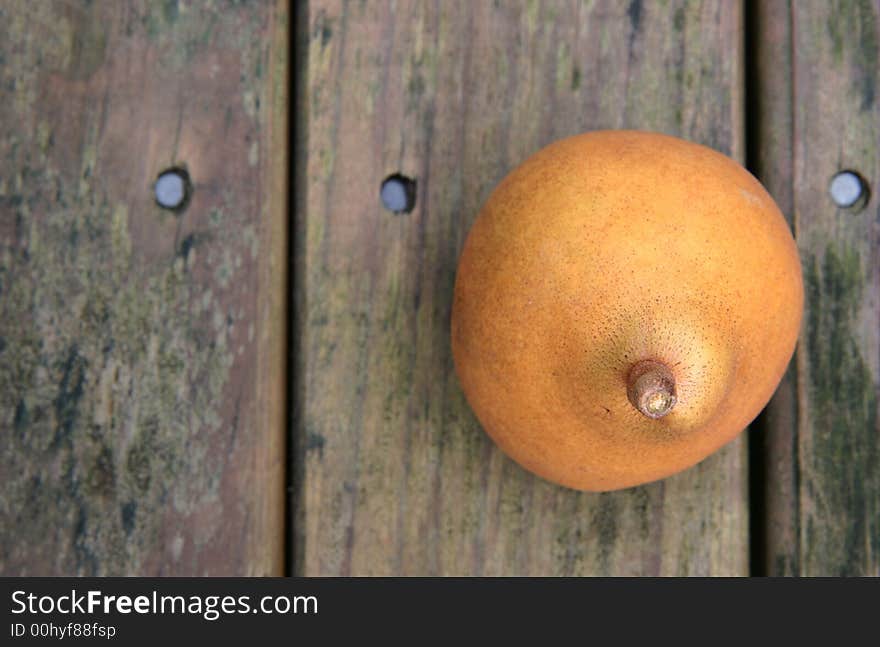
pixel 261 383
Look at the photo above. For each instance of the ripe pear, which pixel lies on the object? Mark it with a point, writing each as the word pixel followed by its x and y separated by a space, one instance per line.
pixel 625 304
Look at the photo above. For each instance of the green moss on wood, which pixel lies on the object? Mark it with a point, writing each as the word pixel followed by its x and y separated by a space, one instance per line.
pixel 852 30
pixel 122 393
pixel 843 406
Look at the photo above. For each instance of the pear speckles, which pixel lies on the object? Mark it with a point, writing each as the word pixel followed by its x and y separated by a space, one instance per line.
pixel 604 334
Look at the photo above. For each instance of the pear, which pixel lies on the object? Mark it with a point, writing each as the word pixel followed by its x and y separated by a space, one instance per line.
pixel 625 304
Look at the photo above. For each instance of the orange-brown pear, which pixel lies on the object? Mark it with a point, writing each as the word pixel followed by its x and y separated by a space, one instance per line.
pixel 625 304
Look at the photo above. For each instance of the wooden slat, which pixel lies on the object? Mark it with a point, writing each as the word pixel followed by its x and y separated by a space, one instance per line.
pixel 775 464
pixel 142 351
pixel 393 474
pixel 835 125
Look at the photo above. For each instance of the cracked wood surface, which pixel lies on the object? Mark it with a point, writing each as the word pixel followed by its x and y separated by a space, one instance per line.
pixel 142 351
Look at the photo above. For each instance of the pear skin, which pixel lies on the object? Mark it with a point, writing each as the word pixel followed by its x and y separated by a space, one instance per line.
pixel 625 304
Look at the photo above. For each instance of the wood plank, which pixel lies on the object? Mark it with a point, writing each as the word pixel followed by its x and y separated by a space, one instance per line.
pixel 836 126
pixel 142 350
pixel 775 435
pixel 393 474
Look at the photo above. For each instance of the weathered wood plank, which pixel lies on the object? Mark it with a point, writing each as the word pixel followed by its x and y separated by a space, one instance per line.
pixel 770 134
pixel 835 120
pixel 142 351
pixel 393 474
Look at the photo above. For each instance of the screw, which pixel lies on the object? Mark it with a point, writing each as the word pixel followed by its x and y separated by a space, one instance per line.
pixel 398 193
pixel 847 189
pixel 172 189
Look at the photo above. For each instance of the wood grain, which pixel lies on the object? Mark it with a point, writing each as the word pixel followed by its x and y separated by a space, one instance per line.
pixel 833 119
pixel 142 351
pixel 393 475
pixel 774 462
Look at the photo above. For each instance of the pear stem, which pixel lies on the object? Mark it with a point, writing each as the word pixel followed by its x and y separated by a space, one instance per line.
pixel 650 388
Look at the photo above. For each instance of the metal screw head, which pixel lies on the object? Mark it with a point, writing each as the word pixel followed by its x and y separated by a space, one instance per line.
pixel 172 189
pixel 398 193
pixel 846 189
